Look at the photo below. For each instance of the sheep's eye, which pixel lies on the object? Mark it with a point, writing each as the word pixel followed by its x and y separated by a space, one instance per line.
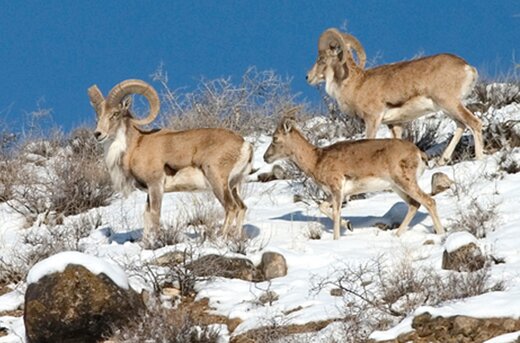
pixel 275 139
pixel 115 115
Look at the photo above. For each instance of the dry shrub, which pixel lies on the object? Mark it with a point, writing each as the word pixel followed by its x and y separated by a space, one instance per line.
pixel 240 243
pixel 426 132
pixel 40 243
pixel 476 213
pixel 10 170
pixel 479 218
pixel 158 324
pixel 500 134
pixel 171 233
pixel 61 176
pixel 12 270
pixel 352 126
pixel 378 296
pixel 88 184
pixel 488 95
pixel 508 161
pixel 313 231
pixel 204 217
pixel 246 107
pixel 271 330
pixel 189 271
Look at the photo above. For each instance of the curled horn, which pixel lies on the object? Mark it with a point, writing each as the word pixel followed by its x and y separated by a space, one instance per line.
pixel 291 112
pixel 333 38
pixel 128 87
pixel 96 97
pixel 289 118
pixel 360 52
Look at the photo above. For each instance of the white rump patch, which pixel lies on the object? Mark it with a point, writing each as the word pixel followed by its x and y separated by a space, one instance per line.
pixel 469 83
pixel 57 264
pixel 242 166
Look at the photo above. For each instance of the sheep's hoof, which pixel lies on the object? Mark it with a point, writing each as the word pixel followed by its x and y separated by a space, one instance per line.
pixel 347 225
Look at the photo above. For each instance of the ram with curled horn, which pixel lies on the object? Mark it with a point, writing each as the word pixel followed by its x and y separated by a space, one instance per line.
pixel 168 161
pixel 394 94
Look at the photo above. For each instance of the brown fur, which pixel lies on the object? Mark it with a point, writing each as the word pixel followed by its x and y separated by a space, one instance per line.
pixel 359 165
pixel 161 161
pixel 395 93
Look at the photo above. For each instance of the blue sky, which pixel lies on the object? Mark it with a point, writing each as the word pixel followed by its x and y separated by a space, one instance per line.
pixel 52 51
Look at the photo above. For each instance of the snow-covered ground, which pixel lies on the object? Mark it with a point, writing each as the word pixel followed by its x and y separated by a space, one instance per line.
pixel 276 223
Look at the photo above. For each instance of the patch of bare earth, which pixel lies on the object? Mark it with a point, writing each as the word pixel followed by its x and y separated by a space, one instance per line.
pixel 268 333
pixel 199 312
pixel 14 313
pixel 4 289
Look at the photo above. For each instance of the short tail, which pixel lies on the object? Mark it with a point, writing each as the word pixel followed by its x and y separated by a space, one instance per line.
pixel 424 157
pixel 244 164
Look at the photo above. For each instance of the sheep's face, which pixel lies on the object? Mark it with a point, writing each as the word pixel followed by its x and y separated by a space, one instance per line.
pixel 110 119
pixel 325 66
pixel 282 144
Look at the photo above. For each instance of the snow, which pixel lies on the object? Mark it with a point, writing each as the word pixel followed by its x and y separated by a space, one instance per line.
pixel 57 263
pixel 16 332
pixel 275 223
pixel 488 305
pixel 404 327
pixel 457 240
pixel 11 301
pixel 498 305
pixel 506 338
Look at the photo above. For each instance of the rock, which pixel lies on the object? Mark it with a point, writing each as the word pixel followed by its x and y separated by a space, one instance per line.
pixel 277 173
pixel 273 265
pixel 76 306
pixel 268 297
pixel 466 258
pixel 464 326
pixel 461 329
pixel 170 259
pixel 455 329
pixel 337 292
pixel 440 183
pixel 228 267
pixel 171 292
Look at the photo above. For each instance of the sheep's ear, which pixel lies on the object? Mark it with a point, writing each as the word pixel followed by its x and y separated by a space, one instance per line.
pixel 288 124
pixel 289 118
pixel 126 103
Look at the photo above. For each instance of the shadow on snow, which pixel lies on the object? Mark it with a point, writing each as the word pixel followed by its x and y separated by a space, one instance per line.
pixel 394 215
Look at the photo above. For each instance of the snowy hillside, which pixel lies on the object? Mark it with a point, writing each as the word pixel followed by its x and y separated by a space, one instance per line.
pixel 326 279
